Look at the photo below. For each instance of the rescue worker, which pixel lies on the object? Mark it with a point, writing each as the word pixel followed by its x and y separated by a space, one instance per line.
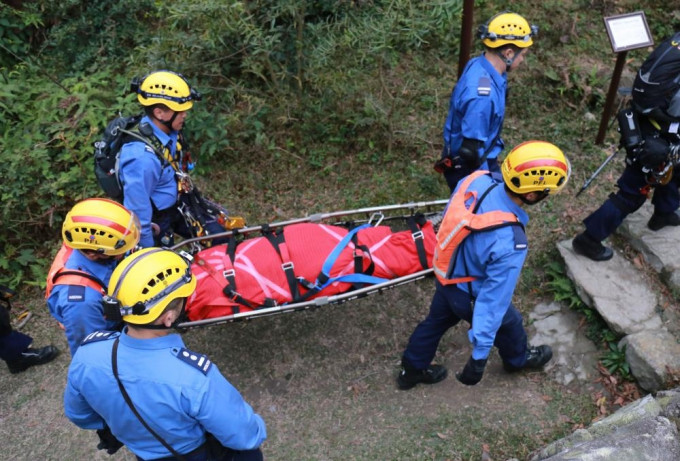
pixel 494 259
pixel 15 347
pixel 472 131
pixel 649 172
pixel 178 394
pixel 98 232
pixel 151 185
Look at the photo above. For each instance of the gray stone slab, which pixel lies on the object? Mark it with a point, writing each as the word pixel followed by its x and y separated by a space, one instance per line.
pixel 661 249
pixel 574 355
pixel 650 354
pixel 643 408
pixel 650 439
pixel 615 288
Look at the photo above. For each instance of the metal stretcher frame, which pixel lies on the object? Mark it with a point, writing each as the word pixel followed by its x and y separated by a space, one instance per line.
pixel 374 215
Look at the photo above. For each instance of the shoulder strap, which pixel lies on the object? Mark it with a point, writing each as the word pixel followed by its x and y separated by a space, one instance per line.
pixel 152 142
pixel 76 277
pixel 114 366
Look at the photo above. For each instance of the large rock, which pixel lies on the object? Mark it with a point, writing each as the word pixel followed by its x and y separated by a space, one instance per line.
pixel 650 355
pixel 661 249
pixel 615 289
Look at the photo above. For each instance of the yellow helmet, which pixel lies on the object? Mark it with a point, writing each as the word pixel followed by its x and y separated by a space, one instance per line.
pixel 101 225
pixel 507 28
pixel 165 87
pixel 536 166
pixel 144 283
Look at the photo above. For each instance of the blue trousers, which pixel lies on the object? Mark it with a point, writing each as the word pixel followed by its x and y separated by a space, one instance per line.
pixel 449 306
pixel 631 195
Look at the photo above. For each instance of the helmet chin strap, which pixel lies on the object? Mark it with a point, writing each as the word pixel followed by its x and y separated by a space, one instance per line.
pixel 541 196
pixel 508 62
pixel 168 123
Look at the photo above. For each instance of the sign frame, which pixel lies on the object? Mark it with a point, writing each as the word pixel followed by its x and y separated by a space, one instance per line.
pixel 628 31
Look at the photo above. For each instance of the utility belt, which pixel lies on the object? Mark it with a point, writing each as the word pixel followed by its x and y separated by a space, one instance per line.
pixel 212 450
pixel 197 454
pixel 159 215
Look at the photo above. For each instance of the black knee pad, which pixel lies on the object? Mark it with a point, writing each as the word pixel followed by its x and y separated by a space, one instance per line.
pixel 628 203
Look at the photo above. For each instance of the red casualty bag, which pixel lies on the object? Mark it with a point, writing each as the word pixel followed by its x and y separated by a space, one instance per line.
pixel 288 266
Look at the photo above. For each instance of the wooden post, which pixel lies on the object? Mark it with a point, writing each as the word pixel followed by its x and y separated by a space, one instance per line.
pixel 466 35
pixel 611 95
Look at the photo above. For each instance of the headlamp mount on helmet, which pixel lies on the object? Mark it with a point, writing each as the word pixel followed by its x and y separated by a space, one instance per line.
pixel 484 34
pixel 114 311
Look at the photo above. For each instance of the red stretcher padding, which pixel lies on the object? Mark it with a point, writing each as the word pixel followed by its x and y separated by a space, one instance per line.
pixel 258 274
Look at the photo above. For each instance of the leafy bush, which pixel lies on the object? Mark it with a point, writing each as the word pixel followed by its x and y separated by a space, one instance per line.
pixel 47 133
pixel 81 36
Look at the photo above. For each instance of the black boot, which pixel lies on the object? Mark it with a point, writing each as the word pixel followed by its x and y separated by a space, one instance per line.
pixel 410 376
pixel 659 221
pixel 32 357
pixel 587 246
pixel 536 358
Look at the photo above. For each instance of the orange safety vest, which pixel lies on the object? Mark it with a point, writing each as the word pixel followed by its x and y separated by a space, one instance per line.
pixel 459 221
pixel 58 275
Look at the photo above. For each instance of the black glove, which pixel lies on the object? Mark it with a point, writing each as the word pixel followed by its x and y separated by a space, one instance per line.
pixel 472 373
pixel 108 441
pixel 655 152
pixel 469 153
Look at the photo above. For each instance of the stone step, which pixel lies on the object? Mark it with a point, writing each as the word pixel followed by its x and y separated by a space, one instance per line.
pixel 615 288
pixel 661 249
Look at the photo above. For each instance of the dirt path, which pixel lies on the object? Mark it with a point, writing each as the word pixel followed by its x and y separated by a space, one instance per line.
pixel 324 382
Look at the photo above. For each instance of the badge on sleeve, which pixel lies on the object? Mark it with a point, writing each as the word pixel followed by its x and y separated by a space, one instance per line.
pixel 76 293
pixel 198 361
pixel 521 242
pixel 97 336
pixel 484 86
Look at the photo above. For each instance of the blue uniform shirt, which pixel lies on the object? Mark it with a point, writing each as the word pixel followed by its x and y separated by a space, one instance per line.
pixel 477 108
pixel 496 258
pixel 179 393
pixel 146 180
pixel 78 307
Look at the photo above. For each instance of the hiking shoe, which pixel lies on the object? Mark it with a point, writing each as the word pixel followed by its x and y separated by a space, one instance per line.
pixel 587 246
pixel 409 376
pixel 659 221
pixel 32 357
pixel 536 358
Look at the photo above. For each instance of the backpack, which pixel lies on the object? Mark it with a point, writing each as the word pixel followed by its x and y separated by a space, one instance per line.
pixel 58 275
pixel 106 151
pixel 656 89
pixel 459 221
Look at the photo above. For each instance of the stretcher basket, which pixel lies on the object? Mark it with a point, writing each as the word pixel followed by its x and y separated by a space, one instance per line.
pixel 372 216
